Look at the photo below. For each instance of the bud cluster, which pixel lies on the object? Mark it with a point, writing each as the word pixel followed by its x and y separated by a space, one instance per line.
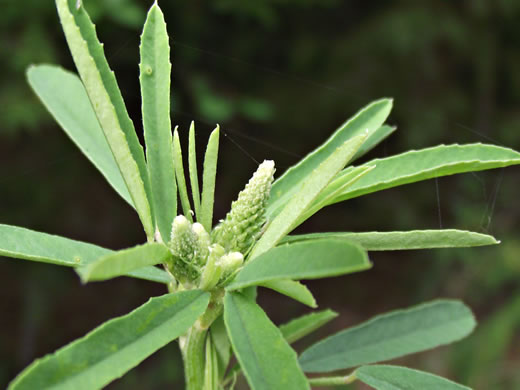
pixel 195 260
pixel 208 262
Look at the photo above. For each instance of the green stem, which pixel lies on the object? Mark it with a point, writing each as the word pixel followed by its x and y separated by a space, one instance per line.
pixel 333 380
pixel 193 353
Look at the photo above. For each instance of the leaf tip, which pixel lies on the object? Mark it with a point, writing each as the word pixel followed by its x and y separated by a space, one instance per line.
pixel 83 273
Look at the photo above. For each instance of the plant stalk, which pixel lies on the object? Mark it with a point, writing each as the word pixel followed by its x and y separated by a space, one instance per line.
pixel 193 354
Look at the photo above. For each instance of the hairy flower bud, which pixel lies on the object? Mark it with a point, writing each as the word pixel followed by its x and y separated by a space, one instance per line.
pixel 203 242
pixel 183 240
pixel 183 245
pixel 230 262
pixel 244 222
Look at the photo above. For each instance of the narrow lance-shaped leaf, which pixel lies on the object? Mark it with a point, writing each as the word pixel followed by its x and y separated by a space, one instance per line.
pixel 293 289
pixel 297 329
pixel 73 111
pixel 208 180
pixel 304 325
pixel 181 179
pixel 311 259
pixel 105 96
pixel 316 181
pixel 194 173
pixel 115 347
pixel 269 363
pixel 383 377
pixel 28 244
pixel 124 261
pixel 415 239
pixel 391 335
pixel 366 122
pixel 418 165
pixel 211 366
pixel 155 70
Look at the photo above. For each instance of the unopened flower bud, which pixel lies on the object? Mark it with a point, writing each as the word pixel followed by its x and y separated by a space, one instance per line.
pixel 183 245
pixel 230 262
pixel 203 241
pixel 183 240
pixel 212 270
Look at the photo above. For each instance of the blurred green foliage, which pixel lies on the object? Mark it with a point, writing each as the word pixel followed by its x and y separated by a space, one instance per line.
pixel 279 76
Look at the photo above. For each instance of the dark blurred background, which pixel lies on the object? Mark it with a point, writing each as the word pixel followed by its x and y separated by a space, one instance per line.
pixel 279 76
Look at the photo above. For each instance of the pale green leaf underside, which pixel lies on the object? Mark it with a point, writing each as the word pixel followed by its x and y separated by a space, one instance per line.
pixel 391 335
pixel 73 111
pixel 293 289
pixel 124 261
pixel 366 121
pixel 309 259
pixel 208 180
pixel 415 239
pixel 155 72
pixel 181 178
pixel 105 96
pixel 374 139
pixel 194 173
pixel 269 363
pixel 312 186
pixel 28 244
pixel 332 190
pixel 417 165
pixel 383 377
pixel 304 325
pixel 115 347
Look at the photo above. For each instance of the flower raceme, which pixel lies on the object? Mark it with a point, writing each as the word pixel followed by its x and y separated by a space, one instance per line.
pixel 208 261
pixel 243 224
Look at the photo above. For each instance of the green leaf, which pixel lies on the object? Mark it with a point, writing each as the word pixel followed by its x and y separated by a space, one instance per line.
pixel 335 188
pixel 304 325
pixel 269 363
pixel 155 71
pixel 391 335
pixel 366 121
pixel 382 377
pixel 374 139
pixel 415 239
pixel 115 347
pixel 72 110
pixel 428 163
pixel 105 96
pixel 311 259
pixel 123 261
pixel 208 180
pixel 28 244
pixel 194 175
pixel 181 179
pixel 292 289
pixel 313 185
